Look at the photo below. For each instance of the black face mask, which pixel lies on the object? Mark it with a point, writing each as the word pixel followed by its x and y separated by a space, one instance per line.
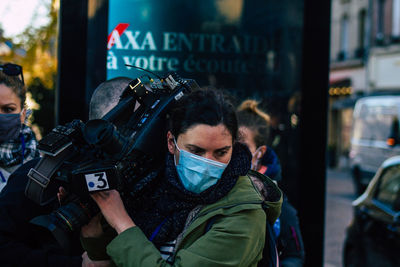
pixel 10 126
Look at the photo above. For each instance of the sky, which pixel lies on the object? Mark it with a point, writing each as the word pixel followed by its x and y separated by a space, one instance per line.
pixel 16 15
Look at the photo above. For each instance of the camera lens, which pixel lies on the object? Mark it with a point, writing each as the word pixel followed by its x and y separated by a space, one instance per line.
pixel 71 216
pixel 67 219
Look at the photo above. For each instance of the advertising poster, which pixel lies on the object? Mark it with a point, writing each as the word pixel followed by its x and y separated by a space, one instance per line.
pixel 249 48
pixel 243 46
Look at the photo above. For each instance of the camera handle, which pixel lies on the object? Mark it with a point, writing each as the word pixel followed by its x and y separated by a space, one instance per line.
pixel 40 175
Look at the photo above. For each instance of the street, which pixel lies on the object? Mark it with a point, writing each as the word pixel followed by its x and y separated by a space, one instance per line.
pixel 338 214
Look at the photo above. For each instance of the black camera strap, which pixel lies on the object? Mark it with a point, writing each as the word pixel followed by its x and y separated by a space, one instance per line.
pixel 39 177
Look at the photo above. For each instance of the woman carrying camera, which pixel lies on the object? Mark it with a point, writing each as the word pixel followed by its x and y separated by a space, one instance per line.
pixel 17 141
pixel 200 209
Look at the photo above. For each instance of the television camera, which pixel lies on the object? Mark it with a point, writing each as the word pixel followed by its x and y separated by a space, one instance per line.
pixel 113 152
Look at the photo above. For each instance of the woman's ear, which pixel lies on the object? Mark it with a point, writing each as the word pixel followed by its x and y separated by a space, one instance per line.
pixel 23 115
pixel 170 142
pixel 263 149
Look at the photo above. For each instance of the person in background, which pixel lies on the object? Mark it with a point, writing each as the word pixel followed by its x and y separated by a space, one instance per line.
pixel 254 132
pixel 17 141
pixel 204 179
pixel 25 244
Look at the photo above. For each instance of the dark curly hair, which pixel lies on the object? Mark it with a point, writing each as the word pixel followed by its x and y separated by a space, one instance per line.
pixel 203 106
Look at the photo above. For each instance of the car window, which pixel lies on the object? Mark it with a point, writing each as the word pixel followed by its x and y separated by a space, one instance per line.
pixel 389 188
pixel 374 122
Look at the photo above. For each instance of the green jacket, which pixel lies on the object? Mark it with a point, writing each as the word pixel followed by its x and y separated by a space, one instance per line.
pixel 236 237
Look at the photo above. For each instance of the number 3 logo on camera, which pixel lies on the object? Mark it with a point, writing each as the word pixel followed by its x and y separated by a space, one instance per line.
pixel 96 181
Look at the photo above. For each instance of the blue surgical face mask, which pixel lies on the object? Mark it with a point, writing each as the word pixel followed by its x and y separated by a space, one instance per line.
pixel 198 173
pixel 10 126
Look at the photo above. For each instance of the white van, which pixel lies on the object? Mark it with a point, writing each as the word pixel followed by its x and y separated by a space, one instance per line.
pixel 375 136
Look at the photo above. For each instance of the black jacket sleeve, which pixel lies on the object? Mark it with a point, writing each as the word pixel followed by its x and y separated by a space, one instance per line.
pixel 290 241
pixel 22 243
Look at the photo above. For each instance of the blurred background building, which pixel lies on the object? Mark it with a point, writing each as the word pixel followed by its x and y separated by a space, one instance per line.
pixel 364 60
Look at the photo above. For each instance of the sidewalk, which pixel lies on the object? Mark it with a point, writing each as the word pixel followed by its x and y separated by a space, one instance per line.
pixel 338 214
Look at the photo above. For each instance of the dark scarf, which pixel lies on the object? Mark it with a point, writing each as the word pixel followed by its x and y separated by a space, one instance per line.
pixel 164 203
pixel 11 151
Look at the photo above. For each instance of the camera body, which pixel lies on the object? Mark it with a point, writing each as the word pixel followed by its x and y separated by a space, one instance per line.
pixel 113 152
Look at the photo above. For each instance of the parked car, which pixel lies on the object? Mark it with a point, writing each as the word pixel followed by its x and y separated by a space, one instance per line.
pixel 373 237
pixel 375 136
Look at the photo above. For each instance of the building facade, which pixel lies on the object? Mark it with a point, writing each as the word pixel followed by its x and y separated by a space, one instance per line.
pixel 364 60
pixel 384 53
pixel 348 71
